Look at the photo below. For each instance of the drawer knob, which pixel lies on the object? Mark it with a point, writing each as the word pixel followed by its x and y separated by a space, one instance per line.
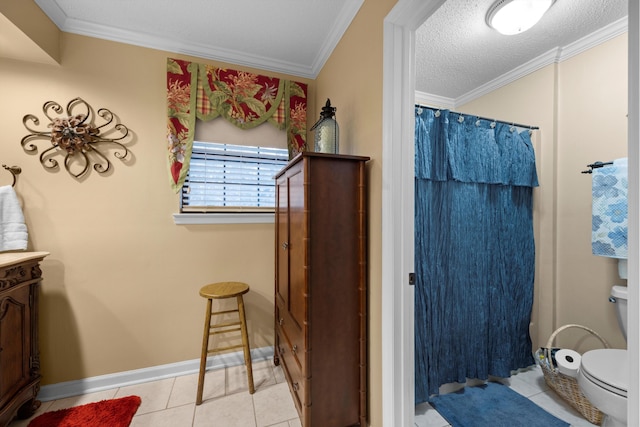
pixel 281 321
pixel 285 245
pixel 296 387
pixel 295 348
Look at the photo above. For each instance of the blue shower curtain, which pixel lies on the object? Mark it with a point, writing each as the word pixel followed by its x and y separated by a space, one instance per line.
pixel 474 249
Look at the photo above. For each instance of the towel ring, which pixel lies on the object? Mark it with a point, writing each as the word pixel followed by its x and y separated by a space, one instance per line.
pixel 15 171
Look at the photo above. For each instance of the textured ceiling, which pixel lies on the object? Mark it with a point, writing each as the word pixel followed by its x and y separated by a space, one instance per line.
pixel 456 51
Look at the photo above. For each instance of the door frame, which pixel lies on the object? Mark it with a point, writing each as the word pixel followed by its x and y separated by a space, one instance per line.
pixel 400 25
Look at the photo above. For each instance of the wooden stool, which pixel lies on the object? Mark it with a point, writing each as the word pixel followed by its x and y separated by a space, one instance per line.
pixel 224 290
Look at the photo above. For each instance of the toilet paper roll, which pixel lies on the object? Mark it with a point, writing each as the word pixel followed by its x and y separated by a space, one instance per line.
pixel 568 362
pixel 622 268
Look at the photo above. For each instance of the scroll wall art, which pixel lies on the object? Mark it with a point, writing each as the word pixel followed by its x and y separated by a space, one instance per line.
pixel 244 99
pixel 81 136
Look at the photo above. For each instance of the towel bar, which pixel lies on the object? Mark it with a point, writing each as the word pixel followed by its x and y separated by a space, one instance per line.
pixel 596 165
pixel 15 171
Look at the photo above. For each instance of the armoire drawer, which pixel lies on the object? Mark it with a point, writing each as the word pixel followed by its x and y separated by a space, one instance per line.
pixel 294 335
pixel 288 348
pixel 295 377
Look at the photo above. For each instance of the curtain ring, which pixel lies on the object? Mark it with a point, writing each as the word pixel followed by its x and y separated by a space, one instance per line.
pixel 460 118
pixel 419 110
pixel 493 124
pixel 478 121
pixel 437 114
pixel 512 128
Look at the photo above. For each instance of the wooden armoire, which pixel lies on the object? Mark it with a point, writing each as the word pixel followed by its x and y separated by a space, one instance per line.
pixel 20 278
pixel 321 287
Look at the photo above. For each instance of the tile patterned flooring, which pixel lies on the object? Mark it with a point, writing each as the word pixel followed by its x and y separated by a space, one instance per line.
pixel 171 402
pixel 226 402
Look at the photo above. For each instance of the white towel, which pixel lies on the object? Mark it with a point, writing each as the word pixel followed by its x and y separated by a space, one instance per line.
pixel 13 230
pixel 609 210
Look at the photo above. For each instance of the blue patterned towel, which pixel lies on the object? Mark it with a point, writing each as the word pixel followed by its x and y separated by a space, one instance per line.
pixel 609 214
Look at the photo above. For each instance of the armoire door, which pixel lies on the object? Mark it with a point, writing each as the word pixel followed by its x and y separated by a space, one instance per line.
pixel 298 264
pixel 291 255
pixel 282 243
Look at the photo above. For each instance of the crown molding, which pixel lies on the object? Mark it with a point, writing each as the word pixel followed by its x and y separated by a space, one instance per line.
pixel 602 35
pixel 53 11
pixel 553 56
pixel 348 14
pixel 105 32
pixel 187 48
pixel 428 99
pixel 550 57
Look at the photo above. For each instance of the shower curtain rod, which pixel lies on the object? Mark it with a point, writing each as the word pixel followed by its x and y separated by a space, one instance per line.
pixel 518 125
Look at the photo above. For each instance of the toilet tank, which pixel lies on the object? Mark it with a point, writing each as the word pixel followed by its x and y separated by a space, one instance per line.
pixel 619 297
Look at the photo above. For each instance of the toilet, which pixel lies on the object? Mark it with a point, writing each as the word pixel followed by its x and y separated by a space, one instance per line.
pixel 603 376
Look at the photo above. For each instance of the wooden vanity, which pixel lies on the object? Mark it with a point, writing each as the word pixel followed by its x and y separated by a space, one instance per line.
pixel 20 278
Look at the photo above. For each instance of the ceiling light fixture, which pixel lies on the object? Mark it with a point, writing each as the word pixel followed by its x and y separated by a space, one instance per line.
pixel 510 17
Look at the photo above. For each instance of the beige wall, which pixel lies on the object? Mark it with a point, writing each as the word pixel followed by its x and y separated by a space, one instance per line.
pixel 580 106
pixel 26 28
pixel 592 125
pixel 352 79
pixel 119 293
pixel 121 285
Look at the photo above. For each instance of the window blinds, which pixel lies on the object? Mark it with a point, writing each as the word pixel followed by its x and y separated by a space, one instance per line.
pixel 231 178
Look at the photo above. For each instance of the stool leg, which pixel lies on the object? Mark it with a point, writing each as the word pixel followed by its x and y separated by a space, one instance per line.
pixel 203 354
pixel 245 343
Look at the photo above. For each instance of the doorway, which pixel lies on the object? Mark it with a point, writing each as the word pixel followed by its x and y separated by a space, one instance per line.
pixel 397 215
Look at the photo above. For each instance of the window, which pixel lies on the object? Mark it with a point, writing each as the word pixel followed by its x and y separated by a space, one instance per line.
pixel 231 178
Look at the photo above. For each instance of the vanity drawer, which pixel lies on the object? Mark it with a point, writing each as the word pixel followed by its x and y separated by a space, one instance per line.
pixel 20 272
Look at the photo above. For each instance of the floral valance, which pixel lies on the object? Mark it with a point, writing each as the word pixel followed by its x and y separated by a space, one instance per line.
pixel 242 98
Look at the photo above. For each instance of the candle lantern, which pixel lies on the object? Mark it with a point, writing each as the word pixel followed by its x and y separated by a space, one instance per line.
pixel 327 132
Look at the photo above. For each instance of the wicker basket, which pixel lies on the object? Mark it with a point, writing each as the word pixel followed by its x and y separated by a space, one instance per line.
pixel 566 386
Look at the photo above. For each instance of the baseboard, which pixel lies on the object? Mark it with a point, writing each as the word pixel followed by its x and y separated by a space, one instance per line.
pixel 137 376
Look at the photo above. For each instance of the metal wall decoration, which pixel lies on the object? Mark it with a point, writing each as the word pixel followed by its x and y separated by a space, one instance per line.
pixel 74 134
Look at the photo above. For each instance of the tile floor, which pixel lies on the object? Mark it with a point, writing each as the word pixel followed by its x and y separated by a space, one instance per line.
pixel 529 383
pixel 171 402
pixel 226 402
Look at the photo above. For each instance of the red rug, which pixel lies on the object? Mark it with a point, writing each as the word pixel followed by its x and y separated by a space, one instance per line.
pixel 107 413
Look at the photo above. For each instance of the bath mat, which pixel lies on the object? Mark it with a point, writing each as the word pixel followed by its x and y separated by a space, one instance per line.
pixel 111 413
pixel 492 405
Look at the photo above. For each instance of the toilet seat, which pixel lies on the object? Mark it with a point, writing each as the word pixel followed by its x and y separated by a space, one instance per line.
pixel 607 368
